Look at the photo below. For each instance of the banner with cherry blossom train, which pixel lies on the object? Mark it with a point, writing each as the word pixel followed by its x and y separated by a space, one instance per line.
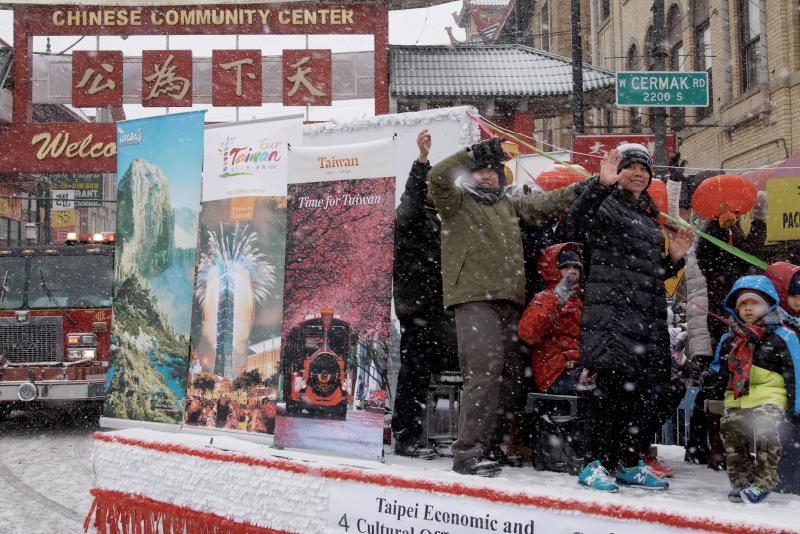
pixel 337 298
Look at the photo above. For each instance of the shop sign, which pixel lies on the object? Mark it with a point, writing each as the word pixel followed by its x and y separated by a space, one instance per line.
pixel 63 199
pixel 307 78
pixel 85 190
pixel 167 78
pixel 783 211
pixel 96 79
pixel 236 78
pixel 62 218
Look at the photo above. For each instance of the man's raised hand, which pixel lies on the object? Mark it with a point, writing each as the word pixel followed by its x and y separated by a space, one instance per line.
pixel 424 145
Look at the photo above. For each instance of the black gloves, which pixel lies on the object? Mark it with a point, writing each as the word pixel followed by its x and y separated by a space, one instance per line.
pixel 488 153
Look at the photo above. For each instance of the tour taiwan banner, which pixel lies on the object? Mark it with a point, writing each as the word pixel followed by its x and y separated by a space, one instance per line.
pixel 337 299
pixel 159 165
pixel 238 296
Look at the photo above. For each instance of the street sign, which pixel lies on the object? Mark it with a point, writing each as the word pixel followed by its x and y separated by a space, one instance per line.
pixel 662 89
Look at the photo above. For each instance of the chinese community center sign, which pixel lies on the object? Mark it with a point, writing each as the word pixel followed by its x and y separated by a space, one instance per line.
pixel 166 77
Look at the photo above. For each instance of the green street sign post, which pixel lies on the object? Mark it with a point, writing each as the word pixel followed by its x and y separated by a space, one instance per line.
pixel 662 89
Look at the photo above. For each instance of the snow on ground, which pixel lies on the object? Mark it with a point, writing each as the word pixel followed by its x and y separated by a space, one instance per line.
pixel 45 475
pixel 695 490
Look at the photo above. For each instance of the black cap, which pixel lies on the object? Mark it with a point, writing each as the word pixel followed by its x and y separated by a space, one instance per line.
pixel 635 153
pixel 568 258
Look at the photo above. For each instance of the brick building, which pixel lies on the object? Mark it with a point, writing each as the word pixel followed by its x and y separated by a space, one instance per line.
pixel 751 50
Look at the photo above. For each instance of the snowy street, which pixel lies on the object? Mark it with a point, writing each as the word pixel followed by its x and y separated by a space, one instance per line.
pixel 45 475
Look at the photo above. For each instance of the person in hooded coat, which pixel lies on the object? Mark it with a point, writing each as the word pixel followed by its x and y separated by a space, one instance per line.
pixel 483 277
pixel 427 329
pixel 756 363
pixel 624 336
pixel 786 279
pixel 551 324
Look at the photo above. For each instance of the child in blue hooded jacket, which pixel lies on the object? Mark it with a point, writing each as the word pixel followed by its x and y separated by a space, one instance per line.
pixel 758 363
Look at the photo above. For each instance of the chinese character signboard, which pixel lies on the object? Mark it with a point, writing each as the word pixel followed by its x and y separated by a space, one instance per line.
pixel 96 79
pixel 236 77
pixel 307 78
pixel 86 189
pixel 589 150
pixel 167 78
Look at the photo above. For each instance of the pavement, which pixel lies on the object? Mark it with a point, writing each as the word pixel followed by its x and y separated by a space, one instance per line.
pixel 45 473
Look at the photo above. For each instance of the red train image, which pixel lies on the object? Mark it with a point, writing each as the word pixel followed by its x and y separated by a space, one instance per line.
pixel 316 379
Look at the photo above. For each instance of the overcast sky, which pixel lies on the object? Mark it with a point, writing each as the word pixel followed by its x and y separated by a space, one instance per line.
pixel 412 26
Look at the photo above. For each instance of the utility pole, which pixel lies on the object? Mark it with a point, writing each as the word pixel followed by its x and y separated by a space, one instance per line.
pixel 577 69
pixel 659 114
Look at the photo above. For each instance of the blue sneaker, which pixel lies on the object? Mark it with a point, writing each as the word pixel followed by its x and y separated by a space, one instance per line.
pixel 735 495
pixel 754 494
pixel 641 476
pixel 595 476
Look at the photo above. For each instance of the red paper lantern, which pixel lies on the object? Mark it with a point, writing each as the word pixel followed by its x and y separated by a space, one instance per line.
pixel 726 195
pixel 658 192
pixel 558 176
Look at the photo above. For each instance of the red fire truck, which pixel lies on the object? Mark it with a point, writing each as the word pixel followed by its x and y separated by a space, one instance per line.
pixel 55 325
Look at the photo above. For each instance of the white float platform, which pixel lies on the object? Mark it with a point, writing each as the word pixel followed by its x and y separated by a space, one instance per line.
pixel 187 483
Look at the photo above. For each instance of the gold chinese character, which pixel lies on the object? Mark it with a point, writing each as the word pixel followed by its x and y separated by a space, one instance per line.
pixel 97 83
pixel 166 82
pixel 299 77
pixel 238 66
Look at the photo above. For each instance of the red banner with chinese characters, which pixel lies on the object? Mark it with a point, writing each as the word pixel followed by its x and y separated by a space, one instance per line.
pixel 589 150
pixel 307 77
pixel 236 77
pixel 167 78
pixel 96 79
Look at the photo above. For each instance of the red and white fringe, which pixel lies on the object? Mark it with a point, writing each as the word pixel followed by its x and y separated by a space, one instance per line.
pixel 124 513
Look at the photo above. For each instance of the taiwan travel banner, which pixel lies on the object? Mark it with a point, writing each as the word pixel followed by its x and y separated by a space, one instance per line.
pixel 159 165
pixel 337 299
pixel 238 296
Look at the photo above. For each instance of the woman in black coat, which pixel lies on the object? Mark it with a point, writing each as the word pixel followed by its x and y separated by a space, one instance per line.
pixel 624 337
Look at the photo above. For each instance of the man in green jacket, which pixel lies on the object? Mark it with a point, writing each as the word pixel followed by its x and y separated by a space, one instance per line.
pixel 483 276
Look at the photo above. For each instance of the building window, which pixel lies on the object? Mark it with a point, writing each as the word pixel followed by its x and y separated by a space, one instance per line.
pixel 750 34
pixel 675 38
pixel 649 44
pixel 606 9
pixel 702 51
pixel 546 136
pixel 676 58
pixel 632 63
pixel 544 24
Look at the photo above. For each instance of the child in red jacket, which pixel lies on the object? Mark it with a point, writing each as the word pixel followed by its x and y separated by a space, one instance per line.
pixel 786 279
pixel 551 324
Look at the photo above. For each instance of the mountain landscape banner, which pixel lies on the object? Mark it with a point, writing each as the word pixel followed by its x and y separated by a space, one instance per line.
pixel 159 164
pixel 238 296
pixel 337 298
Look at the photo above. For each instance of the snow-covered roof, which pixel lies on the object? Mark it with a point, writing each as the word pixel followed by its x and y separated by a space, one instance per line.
pixel 496 70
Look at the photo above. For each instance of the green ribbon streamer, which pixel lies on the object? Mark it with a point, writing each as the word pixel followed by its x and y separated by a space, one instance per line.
pixel 739 253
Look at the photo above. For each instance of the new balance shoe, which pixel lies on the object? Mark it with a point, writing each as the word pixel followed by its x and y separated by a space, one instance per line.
pixel 641 476
pixel 481 467
pixel 735 495
pixel 595 476
pixel 659 470
pixel 754 494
